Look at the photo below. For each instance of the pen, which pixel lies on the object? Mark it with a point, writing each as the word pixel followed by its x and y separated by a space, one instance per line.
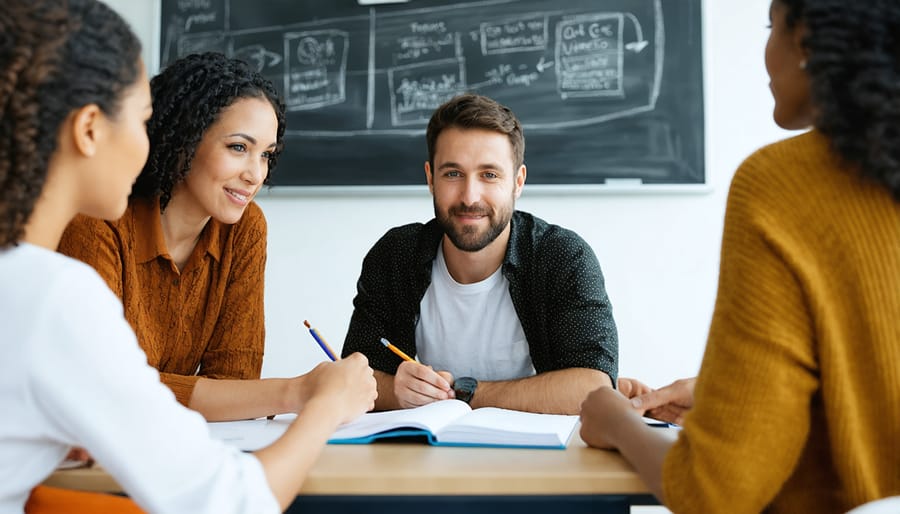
pixel 322 344
pixel 396 350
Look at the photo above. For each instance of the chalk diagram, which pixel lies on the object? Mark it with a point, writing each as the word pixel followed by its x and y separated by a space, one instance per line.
pixel 419 58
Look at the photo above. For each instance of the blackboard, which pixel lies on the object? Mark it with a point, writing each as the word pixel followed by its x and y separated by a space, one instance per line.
pixel 607 90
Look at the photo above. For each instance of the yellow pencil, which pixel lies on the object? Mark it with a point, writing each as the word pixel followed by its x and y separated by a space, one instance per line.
pixel 396 350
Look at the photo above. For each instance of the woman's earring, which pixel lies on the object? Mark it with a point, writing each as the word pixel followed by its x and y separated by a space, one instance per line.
pixel 803 64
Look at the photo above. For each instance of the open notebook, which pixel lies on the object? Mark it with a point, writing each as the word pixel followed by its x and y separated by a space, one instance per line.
pixel 444 423
pixel 454 423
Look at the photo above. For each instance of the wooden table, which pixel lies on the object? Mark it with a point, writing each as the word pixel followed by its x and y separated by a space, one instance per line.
pixel 383 477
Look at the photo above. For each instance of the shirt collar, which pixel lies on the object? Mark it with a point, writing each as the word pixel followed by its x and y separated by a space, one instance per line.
pixel 430 242
pixel 517 235
pixel 149 240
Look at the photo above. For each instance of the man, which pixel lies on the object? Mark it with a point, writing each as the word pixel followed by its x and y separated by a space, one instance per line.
pixel 501 308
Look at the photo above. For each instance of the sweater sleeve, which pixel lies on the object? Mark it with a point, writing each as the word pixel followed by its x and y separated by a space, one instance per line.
pixel 751 417
pixel 235 348
pixel 182 386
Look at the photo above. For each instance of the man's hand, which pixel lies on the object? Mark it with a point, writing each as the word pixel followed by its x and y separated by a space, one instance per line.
pixel 669 403
pixel 416 385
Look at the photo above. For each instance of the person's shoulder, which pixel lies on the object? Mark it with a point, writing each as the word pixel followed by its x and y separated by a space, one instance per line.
pixel 250 229
pixel 253 218
pixel 253 213
pixel 404 244
pixel 45 293
pixel 405 237
pixel 86 238
pixel 121 228
pixel 82 222
pixel 544 235
pixel 800 176
pixel 408 231
pixel 797 160
pixel 82 227
pixel 539 245
pixel 21 260
pixel 39 272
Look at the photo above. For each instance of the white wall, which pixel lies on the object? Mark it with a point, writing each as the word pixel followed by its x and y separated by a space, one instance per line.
pixel 659 252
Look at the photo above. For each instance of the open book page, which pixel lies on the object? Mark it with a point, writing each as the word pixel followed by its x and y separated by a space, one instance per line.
pixel 450 422
pixel 253 434
pixel 494 426
pixel 432 418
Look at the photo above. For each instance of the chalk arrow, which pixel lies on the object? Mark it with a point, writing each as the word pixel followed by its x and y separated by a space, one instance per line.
pixel 641 43
pixel 258 56
pixel 637 46
pixel 541 65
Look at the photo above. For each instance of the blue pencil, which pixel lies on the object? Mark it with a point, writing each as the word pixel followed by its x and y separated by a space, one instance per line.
pixel 322 344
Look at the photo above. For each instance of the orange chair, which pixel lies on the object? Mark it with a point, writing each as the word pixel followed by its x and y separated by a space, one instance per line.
pixel 47 500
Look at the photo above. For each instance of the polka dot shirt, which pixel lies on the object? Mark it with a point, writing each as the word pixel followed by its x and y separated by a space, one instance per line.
pixel 555 283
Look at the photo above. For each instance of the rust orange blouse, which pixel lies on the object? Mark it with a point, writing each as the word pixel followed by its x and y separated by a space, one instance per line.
pixel 205 320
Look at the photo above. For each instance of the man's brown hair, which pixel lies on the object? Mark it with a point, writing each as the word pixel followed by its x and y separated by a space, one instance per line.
pixel 471 111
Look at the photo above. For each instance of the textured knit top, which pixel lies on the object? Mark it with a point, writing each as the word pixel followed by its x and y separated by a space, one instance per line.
pixel 203 320
pixel 797 405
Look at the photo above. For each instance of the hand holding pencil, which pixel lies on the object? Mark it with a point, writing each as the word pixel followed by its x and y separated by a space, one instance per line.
pixel 396 350
pixel 349 382
pixel 416 384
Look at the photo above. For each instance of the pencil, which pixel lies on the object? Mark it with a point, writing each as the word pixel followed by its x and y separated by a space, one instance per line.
pixel 322 344
pixel 396 350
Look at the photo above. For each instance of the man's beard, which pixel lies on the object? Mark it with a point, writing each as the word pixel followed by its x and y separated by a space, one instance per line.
pixel 468 238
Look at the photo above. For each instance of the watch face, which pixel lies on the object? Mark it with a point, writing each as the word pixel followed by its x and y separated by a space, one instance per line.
pixel 464 387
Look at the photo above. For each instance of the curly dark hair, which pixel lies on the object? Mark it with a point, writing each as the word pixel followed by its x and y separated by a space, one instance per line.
pixel 469 111
pixel 854 68
pixel 56 56
pixel 188 97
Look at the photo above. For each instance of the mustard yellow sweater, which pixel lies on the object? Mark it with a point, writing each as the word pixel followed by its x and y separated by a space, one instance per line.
pixel 797 406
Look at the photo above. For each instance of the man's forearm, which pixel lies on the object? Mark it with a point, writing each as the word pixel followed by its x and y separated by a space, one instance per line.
pixel 386 400
pixel 553 392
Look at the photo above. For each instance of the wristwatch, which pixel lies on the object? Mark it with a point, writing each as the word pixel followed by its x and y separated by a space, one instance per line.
pixel 464 387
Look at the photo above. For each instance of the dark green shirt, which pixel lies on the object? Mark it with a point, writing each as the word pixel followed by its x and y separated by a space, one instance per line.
pixel 555 284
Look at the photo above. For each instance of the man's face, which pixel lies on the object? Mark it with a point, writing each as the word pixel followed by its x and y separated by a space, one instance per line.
pixel 475 185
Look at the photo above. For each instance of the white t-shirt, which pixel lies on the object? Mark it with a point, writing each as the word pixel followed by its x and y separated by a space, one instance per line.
pixel 72 374
pixel 471 329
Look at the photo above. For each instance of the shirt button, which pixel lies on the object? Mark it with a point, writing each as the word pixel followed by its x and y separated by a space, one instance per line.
pixel 176 282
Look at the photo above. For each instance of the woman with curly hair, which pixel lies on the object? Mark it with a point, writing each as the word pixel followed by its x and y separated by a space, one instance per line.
pixel 188 257
pixel 795 407
pixel 74 100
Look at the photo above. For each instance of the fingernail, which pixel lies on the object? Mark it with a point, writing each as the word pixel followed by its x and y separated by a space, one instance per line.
pixel 636 403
